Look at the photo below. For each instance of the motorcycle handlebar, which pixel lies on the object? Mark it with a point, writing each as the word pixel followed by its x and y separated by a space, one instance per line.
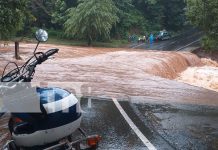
pixel 45 56
pixel 29 68
pixel 51 52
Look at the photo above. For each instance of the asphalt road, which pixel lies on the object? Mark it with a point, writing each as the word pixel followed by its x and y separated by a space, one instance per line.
pixel 166 126
pixel 186 41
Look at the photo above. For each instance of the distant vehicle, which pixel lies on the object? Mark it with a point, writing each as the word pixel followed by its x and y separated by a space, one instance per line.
pixel 163 35
pixel 142 39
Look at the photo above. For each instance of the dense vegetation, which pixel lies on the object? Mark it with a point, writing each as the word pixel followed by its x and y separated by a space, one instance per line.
pixel 13 15
pixel 101 20
pixel 91 19
pixel 204 14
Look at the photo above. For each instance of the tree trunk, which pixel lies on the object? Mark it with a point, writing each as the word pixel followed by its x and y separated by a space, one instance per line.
pixel 89 42
pixel 89 37
pixel 17 56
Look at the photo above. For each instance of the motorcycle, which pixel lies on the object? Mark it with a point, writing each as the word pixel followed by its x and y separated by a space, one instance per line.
pixel 50 129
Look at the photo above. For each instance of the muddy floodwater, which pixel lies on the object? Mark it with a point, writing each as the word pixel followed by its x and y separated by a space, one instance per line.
pixel 122 73
pixel 127 74
pixel 205 76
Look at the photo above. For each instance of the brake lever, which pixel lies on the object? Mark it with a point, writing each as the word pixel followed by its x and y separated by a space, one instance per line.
pixel 19 77
pixel 8 87
pixel 51 57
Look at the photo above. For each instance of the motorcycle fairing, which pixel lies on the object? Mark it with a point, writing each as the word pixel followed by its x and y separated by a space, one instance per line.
pixel 51 117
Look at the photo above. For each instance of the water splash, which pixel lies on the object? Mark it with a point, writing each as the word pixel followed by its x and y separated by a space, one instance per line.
pixel 205 76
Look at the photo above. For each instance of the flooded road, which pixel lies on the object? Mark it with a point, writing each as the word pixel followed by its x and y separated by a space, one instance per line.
pixel 185 42
pixel 166 126
pixel 154 85
pixel 124 73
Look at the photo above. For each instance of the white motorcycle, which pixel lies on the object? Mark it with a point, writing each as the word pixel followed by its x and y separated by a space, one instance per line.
pixel 38 130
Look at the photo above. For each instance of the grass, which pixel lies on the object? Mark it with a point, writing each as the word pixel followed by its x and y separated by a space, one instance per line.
pixel 111 44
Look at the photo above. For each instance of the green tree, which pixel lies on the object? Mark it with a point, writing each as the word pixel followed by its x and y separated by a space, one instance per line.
pixel 91 19
pixel 204 14
pixel 13 14
pixel 174 14
pixel 153 10
pixel 50 13
pixel 59 12
pixel 42 11
pixel 131 19
pixel 160 14
pixel 71 3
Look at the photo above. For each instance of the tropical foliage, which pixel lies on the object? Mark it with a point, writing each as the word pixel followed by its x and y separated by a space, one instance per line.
pixel 101 19
pixel 13 14
pixel 91 18
pixel 204 14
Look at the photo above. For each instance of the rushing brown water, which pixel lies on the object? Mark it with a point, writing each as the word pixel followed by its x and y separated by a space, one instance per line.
pixel 145 76
pixel 209 62
pixel 205 76
pixel 122 72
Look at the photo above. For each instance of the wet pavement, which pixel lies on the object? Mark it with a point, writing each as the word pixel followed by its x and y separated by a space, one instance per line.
pixel 187 41
pixel 166 126
pixel 104 119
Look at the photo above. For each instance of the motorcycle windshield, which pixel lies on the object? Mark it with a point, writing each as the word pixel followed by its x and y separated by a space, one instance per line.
pixel 48 95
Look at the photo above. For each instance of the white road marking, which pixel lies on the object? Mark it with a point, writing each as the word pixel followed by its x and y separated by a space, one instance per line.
pixel 138 45
pixel 89 99
pixel 89 103
pixel 146 142
pixel 187 45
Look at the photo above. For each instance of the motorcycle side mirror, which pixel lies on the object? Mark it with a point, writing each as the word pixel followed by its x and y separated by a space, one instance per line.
pixel 41 36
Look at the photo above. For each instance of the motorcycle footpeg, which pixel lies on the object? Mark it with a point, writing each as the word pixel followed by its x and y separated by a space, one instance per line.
pixel 10 145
